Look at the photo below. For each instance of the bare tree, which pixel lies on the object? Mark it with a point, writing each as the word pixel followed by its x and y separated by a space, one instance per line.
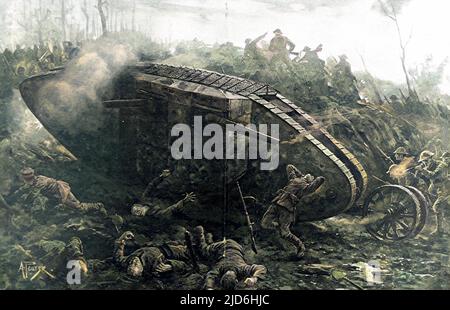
pixel 390 11
pixel 40 15
pixel 63 19
pixel 372 82
pixel 94 27
pixel 66 8
pixel 26 21
pixel 116 18
pixel 85 11
pixel 133 17
pixel 101 10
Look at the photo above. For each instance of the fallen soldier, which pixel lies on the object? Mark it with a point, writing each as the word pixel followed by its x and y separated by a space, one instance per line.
pixel 56 190
pixel 228 263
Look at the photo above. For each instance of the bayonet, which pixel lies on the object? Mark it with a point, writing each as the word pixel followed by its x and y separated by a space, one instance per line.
pixel 249 221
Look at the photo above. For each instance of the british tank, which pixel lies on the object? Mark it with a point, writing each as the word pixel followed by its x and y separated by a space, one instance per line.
pixel 125 131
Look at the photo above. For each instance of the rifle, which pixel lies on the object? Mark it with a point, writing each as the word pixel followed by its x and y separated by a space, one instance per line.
pixel 188 239
pixel 249 222
pixel 385 155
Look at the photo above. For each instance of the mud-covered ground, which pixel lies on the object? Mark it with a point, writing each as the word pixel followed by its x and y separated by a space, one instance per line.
pixel 338 246
pixel 333 245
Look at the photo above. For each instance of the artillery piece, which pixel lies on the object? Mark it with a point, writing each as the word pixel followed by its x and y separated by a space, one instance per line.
pixel 134 115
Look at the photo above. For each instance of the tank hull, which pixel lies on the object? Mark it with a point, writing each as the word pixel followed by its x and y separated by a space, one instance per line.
pixel 134 116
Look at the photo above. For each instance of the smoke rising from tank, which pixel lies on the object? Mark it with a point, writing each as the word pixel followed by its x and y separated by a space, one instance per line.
pixel 75 99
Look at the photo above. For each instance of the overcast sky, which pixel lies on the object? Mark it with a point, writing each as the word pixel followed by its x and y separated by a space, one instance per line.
pixel 349 27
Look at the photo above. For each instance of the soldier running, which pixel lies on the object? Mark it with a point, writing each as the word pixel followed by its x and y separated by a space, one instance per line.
pixel 228 262
pixel 281 214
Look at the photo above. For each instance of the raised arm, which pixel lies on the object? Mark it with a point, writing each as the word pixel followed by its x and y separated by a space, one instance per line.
pixel 255 41
pixel 292 172
pixel 314 185
pixel 119 247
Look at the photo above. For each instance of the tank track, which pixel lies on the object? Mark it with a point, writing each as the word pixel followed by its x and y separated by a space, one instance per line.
pixel 290 113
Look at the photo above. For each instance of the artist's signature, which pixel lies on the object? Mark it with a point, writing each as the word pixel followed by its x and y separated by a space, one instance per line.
pixel 32 271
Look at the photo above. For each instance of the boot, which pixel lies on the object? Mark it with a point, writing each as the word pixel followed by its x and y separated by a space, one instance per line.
pixel 293 239
pixel 301 250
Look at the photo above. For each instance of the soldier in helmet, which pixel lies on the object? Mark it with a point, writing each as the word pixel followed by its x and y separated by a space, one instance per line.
pixel 252 51
pixel 155 208
pixel 54 256
pixel 400 154
pixel 344 81
pixel 150 261
pixel 401 171
pixel 436 174
pixel 21 74
pixel 426 162
pixel 281 47
pixel 281 214
pixel 56 190
pixel 228 262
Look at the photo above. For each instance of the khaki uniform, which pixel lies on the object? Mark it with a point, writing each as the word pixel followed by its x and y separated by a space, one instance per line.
pixel 59 192
pixel 439 183
pixel 225 256
pixel 156 209
pixel 253 52
pixel 55 254
pixel 55 189
pixel 281 47
pixel 281 214
pixel 344 81
pixel 151 257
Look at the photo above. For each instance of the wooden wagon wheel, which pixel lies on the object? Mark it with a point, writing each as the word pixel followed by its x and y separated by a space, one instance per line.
pixel 424 210
pixel 392 212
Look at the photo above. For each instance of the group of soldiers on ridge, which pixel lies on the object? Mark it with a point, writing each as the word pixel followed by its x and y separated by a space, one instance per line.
pixel 318 75
pixel 17 65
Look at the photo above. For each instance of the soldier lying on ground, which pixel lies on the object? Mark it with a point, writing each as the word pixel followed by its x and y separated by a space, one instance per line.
pixel 228 262
pixel 281 214
pixel 151 261
pixel 52 257
pixel 154 209
pixel 55 190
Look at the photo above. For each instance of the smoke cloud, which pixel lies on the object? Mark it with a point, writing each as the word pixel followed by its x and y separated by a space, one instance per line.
pixel 74 100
